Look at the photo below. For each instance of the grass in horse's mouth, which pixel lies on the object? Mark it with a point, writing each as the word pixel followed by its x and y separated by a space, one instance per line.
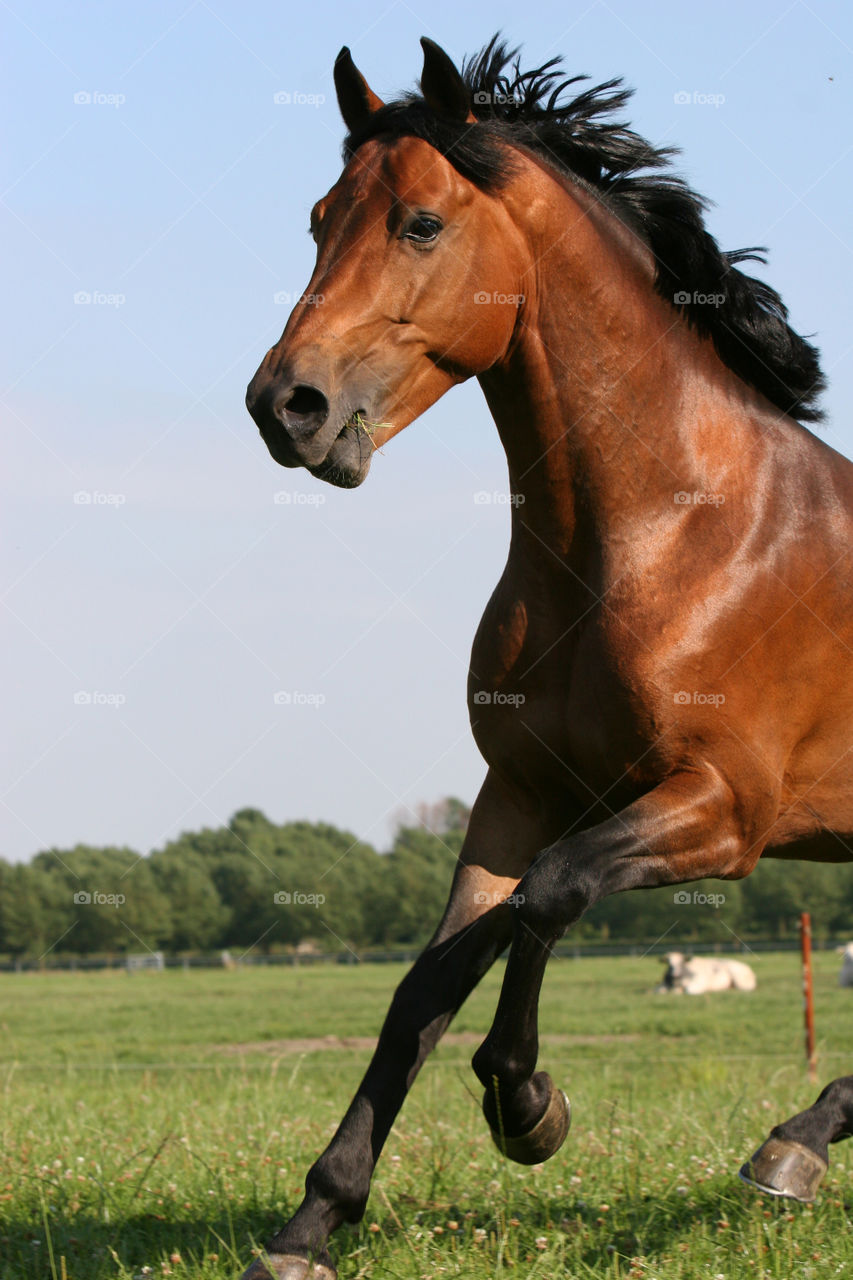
pixel 360 423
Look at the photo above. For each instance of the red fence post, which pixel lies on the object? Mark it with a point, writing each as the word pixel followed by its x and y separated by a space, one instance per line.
pixel 808 994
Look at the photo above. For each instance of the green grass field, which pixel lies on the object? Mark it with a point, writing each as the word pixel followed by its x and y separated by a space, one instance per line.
pixel 162 1123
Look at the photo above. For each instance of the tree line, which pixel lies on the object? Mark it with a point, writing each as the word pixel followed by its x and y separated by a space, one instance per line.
pixel 257 885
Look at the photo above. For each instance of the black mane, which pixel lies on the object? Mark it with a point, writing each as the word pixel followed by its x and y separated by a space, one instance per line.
pixel 579 137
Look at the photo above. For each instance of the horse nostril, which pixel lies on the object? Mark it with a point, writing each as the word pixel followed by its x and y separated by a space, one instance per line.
pixel 306 403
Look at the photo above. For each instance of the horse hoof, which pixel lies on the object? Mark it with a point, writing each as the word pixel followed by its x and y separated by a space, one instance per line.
pixel 546 1136
pixel 287 1266
pixel 784 1168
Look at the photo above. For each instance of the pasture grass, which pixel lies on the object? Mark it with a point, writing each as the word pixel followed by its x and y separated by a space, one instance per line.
pixel 166 1121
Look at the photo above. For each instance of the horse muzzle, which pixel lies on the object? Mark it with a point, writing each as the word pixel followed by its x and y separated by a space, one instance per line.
pixel 294 420
pixel 303 427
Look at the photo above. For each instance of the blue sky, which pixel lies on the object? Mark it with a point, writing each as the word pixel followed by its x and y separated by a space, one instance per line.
pixel 148 166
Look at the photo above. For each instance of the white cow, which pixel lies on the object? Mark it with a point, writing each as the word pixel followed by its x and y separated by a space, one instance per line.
pixel 845 977
pixel 694 975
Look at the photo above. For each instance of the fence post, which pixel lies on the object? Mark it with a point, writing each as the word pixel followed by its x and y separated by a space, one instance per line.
pixel 808 993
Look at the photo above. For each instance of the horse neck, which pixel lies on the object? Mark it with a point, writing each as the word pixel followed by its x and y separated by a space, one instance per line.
pixel 607 403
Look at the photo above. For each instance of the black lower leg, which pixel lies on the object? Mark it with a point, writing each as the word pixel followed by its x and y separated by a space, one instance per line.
pixel 794 1159
pixel 661 838
pixel 338 1184
pixel 516 1095
pixel 553 894
pixel 829 1119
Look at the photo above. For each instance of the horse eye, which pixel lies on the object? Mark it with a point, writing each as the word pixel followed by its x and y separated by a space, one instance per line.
pixel 423 230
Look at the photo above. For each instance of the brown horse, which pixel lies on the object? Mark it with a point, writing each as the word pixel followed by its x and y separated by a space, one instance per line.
pixel 662 682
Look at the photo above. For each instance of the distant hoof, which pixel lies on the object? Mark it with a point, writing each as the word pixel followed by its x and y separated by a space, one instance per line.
pixel 287 1266
pixel 784 1168
pixel 546 1136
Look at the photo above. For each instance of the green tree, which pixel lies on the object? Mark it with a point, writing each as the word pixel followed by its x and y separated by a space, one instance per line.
pixel 110 895
pixel 35 915
pixel 415 885
pixel 195 915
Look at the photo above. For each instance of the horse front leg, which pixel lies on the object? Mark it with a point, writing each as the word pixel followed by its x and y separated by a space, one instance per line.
pixel 685 829
pixel 499 846
pixel 795 1157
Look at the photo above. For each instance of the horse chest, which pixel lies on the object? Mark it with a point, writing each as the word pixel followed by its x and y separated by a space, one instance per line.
pixel 539 704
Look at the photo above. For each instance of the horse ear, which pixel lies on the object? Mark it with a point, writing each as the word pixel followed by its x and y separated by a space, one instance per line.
pixel 442 86
pixel 356 99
